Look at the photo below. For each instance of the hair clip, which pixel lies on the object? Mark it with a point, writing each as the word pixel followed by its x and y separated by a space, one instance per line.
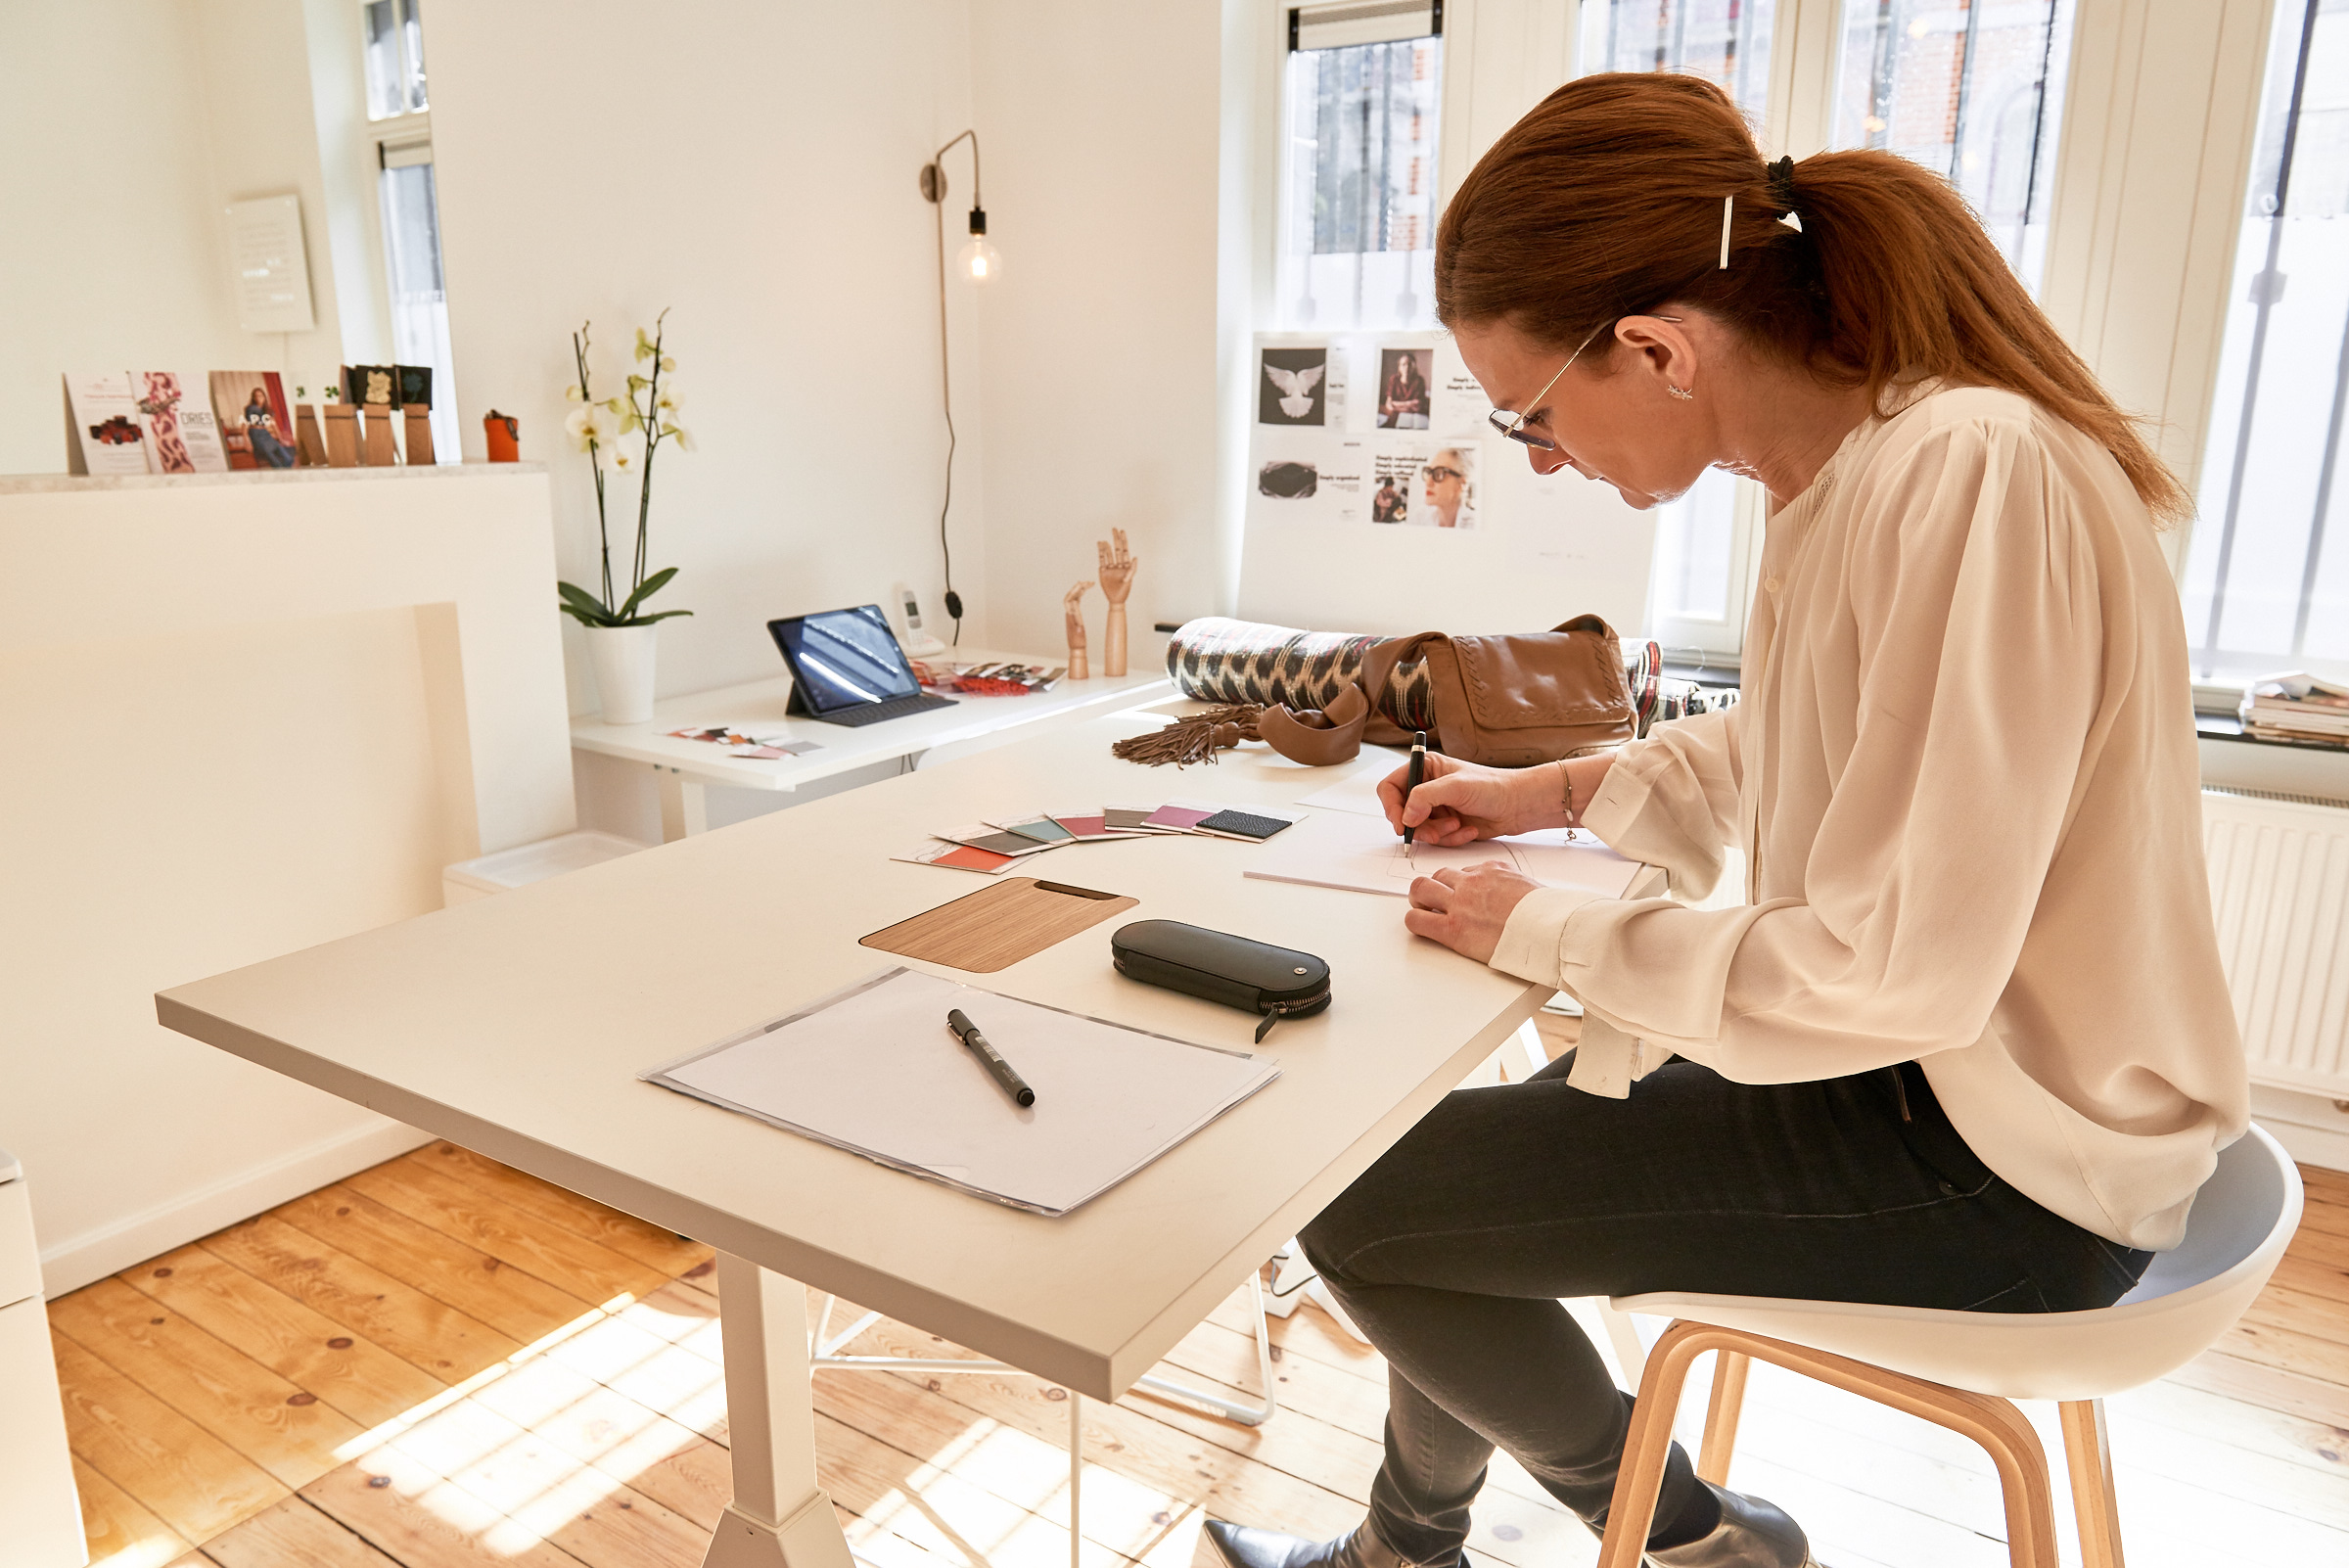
pixel 1729 206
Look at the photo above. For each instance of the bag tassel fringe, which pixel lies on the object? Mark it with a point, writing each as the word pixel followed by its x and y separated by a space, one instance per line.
pixel 1195 739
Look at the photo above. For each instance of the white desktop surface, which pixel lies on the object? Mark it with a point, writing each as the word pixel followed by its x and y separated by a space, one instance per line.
pixel 760 707
pixel 516 1025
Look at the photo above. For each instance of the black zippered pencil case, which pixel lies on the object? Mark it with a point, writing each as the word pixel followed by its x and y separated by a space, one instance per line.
pixel 1240 972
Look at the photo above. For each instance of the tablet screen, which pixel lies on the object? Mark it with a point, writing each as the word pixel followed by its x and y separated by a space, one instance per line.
pixel 845 657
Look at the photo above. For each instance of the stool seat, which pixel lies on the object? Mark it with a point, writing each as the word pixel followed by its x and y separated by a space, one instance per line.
pixel 1963 1370
pixel 2242 1218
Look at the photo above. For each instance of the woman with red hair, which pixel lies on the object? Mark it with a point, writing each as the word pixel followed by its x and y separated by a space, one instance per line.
pixel 1966 1043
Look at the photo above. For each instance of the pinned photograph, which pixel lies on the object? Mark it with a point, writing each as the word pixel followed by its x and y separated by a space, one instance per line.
pixel 1293 387
pixel 1391 503
pixel 1446 489
pixel 1286 480
pixel 1404 376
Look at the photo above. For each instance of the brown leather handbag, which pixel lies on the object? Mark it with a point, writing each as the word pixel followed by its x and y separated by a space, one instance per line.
pixel 1506 701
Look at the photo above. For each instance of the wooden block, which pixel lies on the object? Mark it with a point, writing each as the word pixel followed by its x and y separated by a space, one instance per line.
pixel 279 1426
pixel 422 1520
pixel 341 436
pixel 292 1535
pixel 309 442
pixel 194 1483
pixel 455 1207
pixel 550 1205
pixel 348 1372
pixel 996 927
pixel 121 1532
pixel 419 433
pixel 508 1300
pixel 425 1332
pixel 377 449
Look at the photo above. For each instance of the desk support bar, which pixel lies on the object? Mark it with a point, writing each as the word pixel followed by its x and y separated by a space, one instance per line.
pixel 824 1353
pixel 779 1518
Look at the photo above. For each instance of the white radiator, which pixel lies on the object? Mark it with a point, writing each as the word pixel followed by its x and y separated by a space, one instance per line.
pixel 2279 890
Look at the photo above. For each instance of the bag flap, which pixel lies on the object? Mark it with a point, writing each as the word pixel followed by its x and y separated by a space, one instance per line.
pixel 1546 680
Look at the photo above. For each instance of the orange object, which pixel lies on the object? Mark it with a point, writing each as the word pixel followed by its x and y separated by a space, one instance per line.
pixel 505 437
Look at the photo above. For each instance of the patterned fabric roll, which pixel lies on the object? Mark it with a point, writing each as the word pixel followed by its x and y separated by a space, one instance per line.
pixel 1216 658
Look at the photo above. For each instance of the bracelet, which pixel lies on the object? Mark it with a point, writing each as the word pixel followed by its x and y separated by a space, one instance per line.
pixel 1566 779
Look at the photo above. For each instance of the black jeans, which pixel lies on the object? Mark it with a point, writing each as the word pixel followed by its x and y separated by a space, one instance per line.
pixel 1451 1252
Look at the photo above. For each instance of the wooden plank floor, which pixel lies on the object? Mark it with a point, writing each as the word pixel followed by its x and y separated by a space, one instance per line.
pixel 444 1364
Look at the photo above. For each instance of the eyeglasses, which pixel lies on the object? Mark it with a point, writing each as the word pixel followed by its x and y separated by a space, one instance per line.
pixel 1513 424
pixel 1437 472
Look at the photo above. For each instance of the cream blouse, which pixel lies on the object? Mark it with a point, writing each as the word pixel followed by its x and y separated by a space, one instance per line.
pixel 1964 773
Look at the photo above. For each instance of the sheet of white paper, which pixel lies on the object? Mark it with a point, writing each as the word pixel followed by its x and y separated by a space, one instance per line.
pixel 1356 792
pixel 875 1071
pixel 1357 853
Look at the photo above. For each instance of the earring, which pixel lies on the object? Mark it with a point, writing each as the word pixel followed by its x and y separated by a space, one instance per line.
pixel 1682 393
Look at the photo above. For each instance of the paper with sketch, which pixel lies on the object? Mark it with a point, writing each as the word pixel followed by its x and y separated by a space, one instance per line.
pixel 1364 855
pixel 1358 791
pixel 875 1071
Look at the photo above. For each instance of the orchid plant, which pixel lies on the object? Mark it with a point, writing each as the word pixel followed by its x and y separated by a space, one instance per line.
pixel 602 428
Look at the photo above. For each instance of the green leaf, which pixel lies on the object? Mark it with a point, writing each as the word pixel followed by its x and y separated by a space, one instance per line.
pixel 646 620
pixel 646 589
pixel 585 605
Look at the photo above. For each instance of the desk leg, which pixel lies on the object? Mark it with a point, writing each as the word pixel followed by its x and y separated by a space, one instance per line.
pixel 779 1518
pixel 685 805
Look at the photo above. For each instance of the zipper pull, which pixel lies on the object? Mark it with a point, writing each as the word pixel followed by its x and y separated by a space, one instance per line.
pixel 1274 1017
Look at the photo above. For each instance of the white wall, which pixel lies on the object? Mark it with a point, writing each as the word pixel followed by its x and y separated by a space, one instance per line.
pixel 131 124
pixel 753 168
pixel 1100 338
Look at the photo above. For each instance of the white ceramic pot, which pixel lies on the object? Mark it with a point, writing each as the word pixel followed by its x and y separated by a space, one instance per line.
pixel 624 671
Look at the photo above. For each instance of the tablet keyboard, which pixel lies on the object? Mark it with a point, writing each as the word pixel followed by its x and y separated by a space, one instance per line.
pixel 894 708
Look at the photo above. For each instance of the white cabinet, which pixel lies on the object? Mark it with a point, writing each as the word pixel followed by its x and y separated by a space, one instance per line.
pixel 40 1517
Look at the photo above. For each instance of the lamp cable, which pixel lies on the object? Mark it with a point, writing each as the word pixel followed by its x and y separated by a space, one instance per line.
pixel 933 186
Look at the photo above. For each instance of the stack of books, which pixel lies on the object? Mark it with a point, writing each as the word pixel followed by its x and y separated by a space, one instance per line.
pixel 2297 706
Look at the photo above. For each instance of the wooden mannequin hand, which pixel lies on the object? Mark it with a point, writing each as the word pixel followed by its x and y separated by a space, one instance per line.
pixel 1116 568
pixel 1071 602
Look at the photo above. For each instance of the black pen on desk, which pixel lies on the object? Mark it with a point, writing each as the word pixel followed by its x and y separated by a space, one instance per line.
pixel 997 1068
pixel 1416 776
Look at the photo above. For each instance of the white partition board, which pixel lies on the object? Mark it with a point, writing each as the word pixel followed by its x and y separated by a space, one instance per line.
pixel 1534 550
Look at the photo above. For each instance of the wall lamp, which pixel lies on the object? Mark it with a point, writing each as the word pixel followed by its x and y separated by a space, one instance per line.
pixel 978 260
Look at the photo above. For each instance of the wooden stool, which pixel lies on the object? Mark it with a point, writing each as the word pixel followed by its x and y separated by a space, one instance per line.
pixel 1963 1370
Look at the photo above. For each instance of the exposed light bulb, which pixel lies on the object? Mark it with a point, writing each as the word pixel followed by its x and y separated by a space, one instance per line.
pixel 979 262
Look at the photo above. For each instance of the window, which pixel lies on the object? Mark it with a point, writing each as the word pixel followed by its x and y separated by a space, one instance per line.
pixel 1973 91
pixel 393 34
pixel 399 111
pixel 1725 41
pixel 1359 167
pixel 1697 589
pixel 2267 583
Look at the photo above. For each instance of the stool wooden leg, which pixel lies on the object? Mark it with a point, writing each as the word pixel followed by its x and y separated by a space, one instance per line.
pixel 1648 1444
pixel 2087 1449
pixel 1720 1417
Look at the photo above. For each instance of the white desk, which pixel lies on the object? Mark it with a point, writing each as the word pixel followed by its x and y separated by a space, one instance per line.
pixel 686 769
pixel 516 1025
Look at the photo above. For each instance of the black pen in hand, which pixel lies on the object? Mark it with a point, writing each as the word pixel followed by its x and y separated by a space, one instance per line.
pixel 1416 776
pixel 997 1068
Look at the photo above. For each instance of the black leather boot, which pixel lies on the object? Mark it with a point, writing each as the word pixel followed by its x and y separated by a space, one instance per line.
pixel 1751 1534
pixel 1243 1548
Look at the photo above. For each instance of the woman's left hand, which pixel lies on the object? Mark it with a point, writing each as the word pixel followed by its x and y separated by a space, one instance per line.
pixel 1466 909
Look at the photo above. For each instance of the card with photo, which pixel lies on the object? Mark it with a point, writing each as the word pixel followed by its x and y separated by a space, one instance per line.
pixel 1293 385
pixel 175 413
pixel 257 427
pixel 1405 378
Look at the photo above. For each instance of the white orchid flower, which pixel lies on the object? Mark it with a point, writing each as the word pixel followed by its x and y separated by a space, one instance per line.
pixel 573 395
pixel 587 428
pixel 671 400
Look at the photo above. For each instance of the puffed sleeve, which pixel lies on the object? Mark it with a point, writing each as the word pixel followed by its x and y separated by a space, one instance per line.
pixel 1973 598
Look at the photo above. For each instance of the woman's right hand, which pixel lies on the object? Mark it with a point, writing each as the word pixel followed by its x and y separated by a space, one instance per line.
pixel 1459 803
